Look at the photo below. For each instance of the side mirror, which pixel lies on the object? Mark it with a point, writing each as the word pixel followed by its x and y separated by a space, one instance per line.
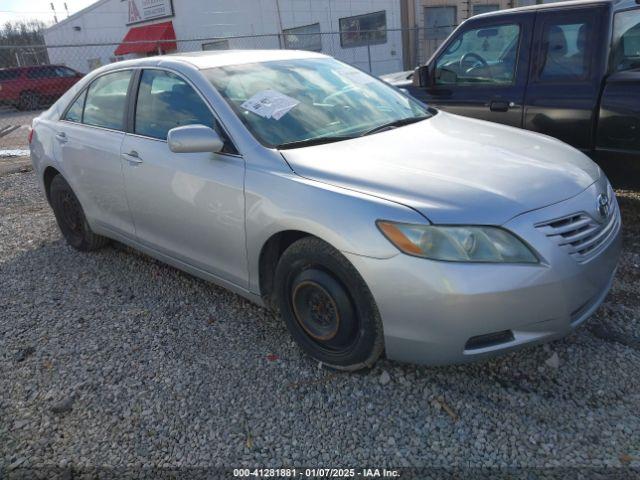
pixel 194 139
pixel 422 77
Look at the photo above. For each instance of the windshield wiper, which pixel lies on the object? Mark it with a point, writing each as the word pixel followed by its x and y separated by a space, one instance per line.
pixel 312 141
pixel 395 123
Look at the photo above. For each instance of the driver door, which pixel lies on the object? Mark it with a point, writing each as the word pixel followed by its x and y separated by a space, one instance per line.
pixel 482 70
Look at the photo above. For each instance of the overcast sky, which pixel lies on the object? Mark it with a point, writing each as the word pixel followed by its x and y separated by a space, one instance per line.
pixel 40 9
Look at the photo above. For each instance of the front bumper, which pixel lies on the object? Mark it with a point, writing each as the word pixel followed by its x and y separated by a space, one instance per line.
pixel 439 313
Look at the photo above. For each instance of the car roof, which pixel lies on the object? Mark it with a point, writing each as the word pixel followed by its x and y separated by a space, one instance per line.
pixel 617 4
pixel 217 58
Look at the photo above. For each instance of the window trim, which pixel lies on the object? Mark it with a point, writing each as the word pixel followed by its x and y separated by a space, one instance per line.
pixel 286 31
pixel 507 21
pixel 133 100
pixel 362 44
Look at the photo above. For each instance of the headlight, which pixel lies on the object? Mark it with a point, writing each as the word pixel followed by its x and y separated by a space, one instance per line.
pixel 458 244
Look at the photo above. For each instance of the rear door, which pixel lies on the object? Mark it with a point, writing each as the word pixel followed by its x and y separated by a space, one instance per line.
pixel 189 206
pixel 566 74
pixel 88 139
pixel 482 70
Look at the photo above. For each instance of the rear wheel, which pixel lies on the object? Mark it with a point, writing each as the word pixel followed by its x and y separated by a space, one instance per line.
pixel 327 307
pixel 71 219
pixel 29 101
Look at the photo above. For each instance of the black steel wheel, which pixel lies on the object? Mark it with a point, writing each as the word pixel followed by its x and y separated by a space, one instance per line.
pixel 70 217
pixel 29 101
pixel 327 306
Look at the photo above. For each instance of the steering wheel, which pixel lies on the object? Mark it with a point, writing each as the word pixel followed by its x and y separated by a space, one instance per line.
pixel 465 58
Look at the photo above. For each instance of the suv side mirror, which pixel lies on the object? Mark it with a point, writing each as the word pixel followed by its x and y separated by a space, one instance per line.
pixel 194 139
pixel 423 76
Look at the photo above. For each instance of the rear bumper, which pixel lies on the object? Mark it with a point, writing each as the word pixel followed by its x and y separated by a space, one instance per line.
pixel 441 313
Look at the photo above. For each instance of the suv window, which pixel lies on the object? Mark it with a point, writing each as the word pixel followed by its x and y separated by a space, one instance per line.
pixel 64 72
pixel 42 72
pixel 106 100
pixel 165 101
pixel 9 75
pixel 626 41
pixel 74 113
pixel 481 56
pixel 565 50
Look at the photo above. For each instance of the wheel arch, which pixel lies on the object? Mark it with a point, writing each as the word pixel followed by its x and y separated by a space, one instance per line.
pixel 47 177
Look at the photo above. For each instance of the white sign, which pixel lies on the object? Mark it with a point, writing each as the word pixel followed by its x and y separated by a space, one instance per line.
pixel 144 10
pixel 270 104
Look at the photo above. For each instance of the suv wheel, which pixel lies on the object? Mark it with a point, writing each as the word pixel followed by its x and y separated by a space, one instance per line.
pixel 327 307
pixel 71 219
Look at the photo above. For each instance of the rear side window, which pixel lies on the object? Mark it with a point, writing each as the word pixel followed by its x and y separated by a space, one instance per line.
pixel 626 41
pixel 106 100
pixel 165 101
pixel 74 114
pixel 566 49
pixel 44 72
pixel 9 75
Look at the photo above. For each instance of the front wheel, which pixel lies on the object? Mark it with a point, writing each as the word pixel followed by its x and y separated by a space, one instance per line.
pixel 71 219
pixel 327 307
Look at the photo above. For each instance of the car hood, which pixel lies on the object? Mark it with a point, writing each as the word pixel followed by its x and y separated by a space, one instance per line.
pixel 453 169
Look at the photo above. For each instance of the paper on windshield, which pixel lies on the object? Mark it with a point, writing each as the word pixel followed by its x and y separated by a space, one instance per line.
pixel 270 104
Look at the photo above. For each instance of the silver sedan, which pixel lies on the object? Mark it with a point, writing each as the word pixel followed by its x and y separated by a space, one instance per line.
pixel 369 221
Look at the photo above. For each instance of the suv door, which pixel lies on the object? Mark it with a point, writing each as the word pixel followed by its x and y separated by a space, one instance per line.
pixel 188 206
pixel 88 138
pixel 482 70
pixel 566 74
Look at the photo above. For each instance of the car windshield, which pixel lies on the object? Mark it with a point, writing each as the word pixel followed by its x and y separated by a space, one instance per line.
pixel 315 100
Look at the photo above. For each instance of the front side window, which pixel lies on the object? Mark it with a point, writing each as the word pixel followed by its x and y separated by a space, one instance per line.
pixel 74 113
pixel 165 101
pixel 481 56
pixel 565 51
pixel 289 101
pixel 64 72
pixel 106 100
pixel 626 41
pixel 303 38
pixel 368 29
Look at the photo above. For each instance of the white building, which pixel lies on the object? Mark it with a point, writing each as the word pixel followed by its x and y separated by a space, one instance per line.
pixel 94 36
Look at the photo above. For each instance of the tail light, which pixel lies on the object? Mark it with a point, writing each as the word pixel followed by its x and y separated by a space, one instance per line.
pixel 30 135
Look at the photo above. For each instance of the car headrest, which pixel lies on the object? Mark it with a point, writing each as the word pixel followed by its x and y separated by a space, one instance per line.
pixel 556 41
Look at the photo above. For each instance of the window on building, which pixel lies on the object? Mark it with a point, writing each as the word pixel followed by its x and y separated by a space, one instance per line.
pixel 626 41
pixel 106 100
pixel 303 38
pixel 479 56
pixel 216 45
pixel 367 29
pixel 564 50
pixel 74 113
pixel 479 8
pixel 439 22
pixel 165 101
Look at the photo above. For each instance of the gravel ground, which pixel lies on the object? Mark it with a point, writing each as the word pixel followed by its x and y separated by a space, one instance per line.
pixel 17 138
pixel 114 359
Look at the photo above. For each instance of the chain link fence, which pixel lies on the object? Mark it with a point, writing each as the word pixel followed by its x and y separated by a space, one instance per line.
pixel 34 76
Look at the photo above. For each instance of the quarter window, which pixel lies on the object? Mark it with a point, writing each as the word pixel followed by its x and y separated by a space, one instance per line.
pixel 106 100
pixel 482 56
pixel 74 114
pixel 165 101
pixel 303 38
pixel 368 29
pixel 626 41
pixel 565 51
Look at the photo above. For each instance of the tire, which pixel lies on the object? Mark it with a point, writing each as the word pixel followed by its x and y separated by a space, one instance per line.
pixel 327 307
pixel 29 101
pixel 71 219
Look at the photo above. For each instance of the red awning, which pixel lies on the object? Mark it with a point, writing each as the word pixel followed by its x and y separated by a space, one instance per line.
pixel 147 39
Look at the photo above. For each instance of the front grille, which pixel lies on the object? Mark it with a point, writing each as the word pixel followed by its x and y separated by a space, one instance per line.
pixel 580 234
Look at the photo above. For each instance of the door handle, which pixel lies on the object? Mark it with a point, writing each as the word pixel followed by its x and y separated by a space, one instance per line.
pixel 500 106
pixel 62 137
pixel 132 157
